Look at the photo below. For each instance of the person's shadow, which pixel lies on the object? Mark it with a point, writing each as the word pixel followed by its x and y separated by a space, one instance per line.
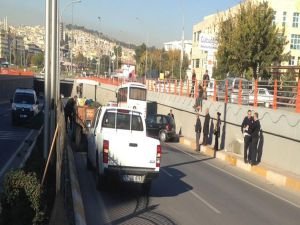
pixel 211 132
pixel 260 147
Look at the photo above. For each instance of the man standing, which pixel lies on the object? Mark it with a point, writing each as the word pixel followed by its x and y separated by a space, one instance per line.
pixel 205 83
pixel 246 131
pixel 255 136
pixel 171 114
pixel 70 111
pixel 193 84
pixel 198 132
pixel 217 131
pixel 206 127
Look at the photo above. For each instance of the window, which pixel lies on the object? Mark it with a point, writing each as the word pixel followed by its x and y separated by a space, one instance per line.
pixel 262 92
pixel 283 19
pixel 123 121
pixel 197 63
pixel 295 41
pixel 292 61
pixel 295 19
pixel 24 98
pixel 122 94
pixel 195 35
pixel 137 93
pixel 274 18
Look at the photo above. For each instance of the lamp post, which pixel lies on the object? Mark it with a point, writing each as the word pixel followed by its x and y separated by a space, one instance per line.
pixel 99 52
pixel 137 18
pixel 61 19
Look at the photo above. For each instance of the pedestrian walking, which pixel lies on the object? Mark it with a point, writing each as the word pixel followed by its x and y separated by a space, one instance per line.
pixel 198 101
pixel 206 127
pixel 217 131
pixel 254 138
pixel 198 132
pixel 205 84
pixel 70 112
pixel 171 114
pixel 246 128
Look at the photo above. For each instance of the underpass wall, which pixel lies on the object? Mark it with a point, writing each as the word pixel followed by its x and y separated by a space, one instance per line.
pixel 281 128
pixel 8 85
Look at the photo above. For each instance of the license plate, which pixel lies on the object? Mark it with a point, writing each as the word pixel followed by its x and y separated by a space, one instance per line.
pixel 133 178
pixel 23 116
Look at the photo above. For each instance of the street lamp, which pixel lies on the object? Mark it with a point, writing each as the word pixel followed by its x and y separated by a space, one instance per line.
pixel 137 18
pixel 61 19
pixel 99 52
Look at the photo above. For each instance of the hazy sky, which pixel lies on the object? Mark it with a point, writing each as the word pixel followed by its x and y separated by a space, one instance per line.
pixel 158 21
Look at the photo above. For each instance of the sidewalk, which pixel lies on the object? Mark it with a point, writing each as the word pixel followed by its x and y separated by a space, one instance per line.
pixel 273 175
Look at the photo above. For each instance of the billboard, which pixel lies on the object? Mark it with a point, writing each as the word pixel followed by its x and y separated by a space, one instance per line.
pixel 208 42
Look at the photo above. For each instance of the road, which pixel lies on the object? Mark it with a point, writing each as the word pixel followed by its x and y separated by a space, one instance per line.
pixel 191 189
pixel 11 137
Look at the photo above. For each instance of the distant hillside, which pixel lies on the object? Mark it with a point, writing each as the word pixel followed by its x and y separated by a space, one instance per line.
pixel 96 33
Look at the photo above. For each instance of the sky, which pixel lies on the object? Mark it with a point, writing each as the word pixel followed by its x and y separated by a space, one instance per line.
pixel 134 21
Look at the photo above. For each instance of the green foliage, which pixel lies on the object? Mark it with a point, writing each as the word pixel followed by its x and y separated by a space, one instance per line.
pixel 118 54
pixel 21 199
pixel 248 41
pixel 38 60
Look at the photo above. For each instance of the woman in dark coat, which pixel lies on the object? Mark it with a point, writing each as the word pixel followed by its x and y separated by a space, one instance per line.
pixel 206 127
pixel 217 132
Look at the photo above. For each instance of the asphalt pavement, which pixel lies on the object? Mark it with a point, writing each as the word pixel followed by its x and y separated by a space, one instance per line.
pixel 191 189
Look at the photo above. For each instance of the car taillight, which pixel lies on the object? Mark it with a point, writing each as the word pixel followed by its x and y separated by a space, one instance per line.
pixel 158 155
pixel 105 151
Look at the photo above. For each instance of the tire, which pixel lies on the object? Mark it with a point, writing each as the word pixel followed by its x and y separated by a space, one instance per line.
pixel 101 183
pixel 163 136
pixel 89 165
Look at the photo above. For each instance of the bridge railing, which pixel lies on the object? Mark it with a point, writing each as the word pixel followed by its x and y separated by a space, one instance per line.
pixel 268 93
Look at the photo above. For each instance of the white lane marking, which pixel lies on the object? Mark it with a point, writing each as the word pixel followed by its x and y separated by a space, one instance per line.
pixel 163 170
pixel 4 168
pixel 241 179
pixel 204 201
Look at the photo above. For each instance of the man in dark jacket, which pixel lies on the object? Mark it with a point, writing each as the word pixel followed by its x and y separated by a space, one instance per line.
pixel 70 111
pixel 198 132
pixel 217 131
pixel 206 127
pixel 255 131
pixel 246 131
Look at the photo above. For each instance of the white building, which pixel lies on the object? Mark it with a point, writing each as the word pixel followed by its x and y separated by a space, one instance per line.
pixel 176 45
pixel 204 44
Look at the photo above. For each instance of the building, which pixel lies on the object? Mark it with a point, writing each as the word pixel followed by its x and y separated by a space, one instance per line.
pixel 176 45
pixel 204 44
pixel 32 49
pixel 4 49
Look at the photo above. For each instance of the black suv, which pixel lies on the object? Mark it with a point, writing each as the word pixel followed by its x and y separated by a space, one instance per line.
pixel 161 126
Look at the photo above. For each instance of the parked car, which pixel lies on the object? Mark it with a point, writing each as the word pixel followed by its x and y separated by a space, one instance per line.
pixel 233 90
pixel 119 148
pixel 24 105
pixel 263 97
pixel 161 126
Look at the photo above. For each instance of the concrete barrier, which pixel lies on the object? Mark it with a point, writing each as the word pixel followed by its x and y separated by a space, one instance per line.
pixel 281 128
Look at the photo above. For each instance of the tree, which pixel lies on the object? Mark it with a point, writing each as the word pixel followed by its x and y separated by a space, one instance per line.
pixel 80 60
pixel 249 40
pixel 118 54
pixel 38 60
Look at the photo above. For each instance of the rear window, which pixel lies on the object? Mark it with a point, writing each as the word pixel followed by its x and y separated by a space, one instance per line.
pixel 122 121
pixel 24 98
pixel 137 93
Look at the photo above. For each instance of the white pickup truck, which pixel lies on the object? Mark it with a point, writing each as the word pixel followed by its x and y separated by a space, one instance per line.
pixel 118 147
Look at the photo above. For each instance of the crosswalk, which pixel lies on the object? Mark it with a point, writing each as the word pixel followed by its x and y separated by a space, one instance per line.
pixel 12 135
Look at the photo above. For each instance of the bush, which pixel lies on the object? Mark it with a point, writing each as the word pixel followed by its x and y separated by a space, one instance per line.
pixel 21 199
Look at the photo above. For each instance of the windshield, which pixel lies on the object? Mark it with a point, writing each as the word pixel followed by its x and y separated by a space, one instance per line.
pixel 24 98
pixel 137 94
pixel 123 121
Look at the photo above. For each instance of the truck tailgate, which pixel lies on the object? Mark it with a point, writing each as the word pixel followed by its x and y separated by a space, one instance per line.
pixel 134 150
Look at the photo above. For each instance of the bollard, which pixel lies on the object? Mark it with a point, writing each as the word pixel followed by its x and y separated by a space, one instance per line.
pixel 215 91
pixel 188 88
pixel 240 93
pixel 169 87
pixel 175 87
pixel 255 93
pixel 164 86
pixel 275 95
pixel 298 98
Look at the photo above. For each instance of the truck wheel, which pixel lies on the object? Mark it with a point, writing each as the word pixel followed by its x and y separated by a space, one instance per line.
pixel 88 162
pixel 163 136
pixel 101 183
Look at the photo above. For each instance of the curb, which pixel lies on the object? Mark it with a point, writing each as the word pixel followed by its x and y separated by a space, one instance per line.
pixel 78 207
pixel 270 175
